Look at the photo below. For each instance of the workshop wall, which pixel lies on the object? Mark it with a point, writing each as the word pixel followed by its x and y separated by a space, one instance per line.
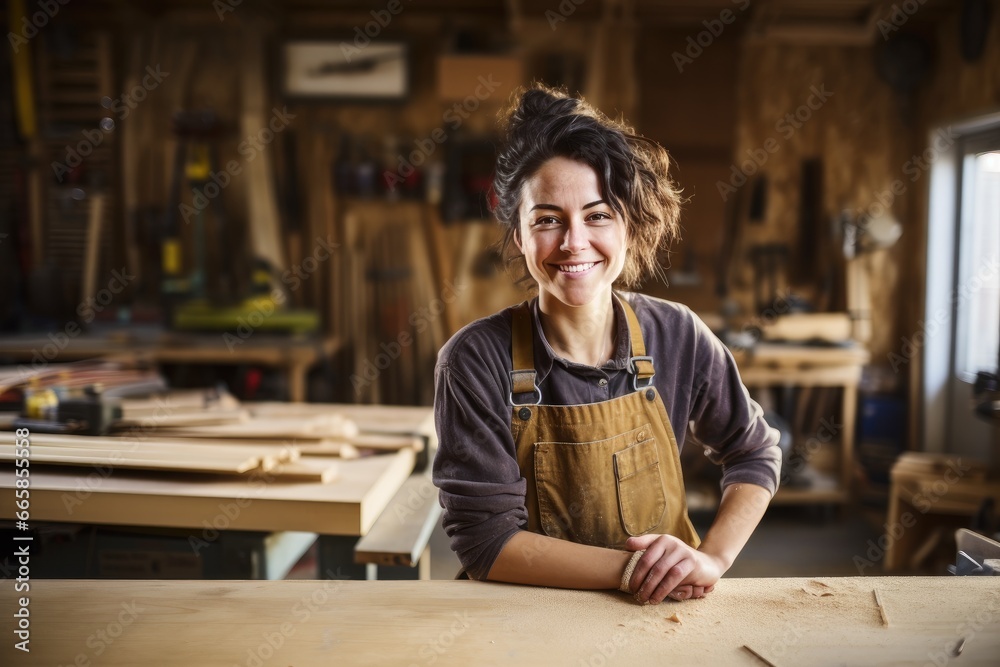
pixel 864 133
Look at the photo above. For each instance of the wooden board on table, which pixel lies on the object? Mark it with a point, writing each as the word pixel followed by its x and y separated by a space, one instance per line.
pixel 320 471
pixel 777 618
pixel 164 461
pixel 348 506
pixel 395 419
pixel 402 532
pixel 283 450
pixel 209 400
pixel 185 419
pixel 331 426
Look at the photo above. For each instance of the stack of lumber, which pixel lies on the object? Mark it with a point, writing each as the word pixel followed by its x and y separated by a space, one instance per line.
pixel 315 429
pixel 209 432
pixel 280 463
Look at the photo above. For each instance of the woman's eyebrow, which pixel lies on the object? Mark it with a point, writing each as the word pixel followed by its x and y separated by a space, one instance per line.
pixel 553 207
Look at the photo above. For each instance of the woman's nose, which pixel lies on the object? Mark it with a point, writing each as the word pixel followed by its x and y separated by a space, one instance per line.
pixel 576 238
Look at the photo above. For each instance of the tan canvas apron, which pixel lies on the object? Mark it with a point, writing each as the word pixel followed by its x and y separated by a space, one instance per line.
pixel 600 473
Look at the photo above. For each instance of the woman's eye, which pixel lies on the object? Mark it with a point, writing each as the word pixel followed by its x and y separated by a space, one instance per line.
pixel 600 216
pixel 547 220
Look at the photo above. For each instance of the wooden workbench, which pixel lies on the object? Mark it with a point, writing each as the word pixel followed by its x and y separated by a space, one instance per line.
pixel 788 365
pixel 788 621
pixel 347 506
pixel 293 354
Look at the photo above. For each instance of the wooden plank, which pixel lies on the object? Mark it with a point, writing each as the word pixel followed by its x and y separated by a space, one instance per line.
pixel 326 449
pixel 179 400
pixel 306 470
pixel 220 619
pixel 186 419
pixel 347 507
pixel 401 533
pixel 191 448
pixel 331 426
pixel 95 219
pixel 134 461
pixel 262 206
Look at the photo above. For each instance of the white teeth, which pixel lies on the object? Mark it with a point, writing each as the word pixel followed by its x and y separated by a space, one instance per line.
pixel 576 268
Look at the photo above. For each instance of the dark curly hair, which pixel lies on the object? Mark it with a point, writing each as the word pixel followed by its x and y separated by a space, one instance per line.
pixel 543 123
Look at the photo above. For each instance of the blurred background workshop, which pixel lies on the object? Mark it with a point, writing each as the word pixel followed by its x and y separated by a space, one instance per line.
pixel 235 233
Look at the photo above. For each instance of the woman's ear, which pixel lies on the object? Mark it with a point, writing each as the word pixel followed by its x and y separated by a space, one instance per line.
pixel 517 237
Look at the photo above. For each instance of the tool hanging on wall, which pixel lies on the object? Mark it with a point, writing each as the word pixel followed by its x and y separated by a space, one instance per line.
pixel 219 286
pixel 195 160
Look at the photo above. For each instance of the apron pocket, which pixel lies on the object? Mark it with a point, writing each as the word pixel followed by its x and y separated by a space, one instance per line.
pixel 641 495
pixel 579 493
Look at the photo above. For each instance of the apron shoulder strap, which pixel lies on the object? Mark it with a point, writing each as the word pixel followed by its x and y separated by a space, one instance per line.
pixel 522 377
pixel 639 364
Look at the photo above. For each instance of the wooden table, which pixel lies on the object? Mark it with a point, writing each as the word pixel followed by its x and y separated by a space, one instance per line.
pixel 776 365
pixel 347 506
pixel 238 509
pixel 787 621
pixel 294 354
pixel 932 495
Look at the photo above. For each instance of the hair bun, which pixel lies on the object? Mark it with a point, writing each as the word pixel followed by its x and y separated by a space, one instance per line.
pixel 537 104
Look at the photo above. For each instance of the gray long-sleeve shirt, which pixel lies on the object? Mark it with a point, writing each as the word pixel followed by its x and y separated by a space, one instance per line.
pixel 481 487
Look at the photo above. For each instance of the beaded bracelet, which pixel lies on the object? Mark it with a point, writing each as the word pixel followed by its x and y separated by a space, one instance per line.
pixel 629 569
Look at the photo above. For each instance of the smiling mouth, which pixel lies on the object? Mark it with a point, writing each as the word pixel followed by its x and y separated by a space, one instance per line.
pixel 577 268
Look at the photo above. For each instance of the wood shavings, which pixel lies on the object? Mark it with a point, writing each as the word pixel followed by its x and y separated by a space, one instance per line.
pixel 817 588
pixel 675 618
pixel 881 608
pixel 957 651
pixel 759 656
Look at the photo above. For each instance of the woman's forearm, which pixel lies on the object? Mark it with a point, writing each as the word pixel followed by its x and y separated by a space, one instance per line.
pixel 740 511
pixel 539 560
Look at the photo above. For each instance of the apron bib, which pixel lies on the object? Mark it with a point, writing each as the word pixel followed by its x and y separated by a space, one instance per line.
pixel 600 473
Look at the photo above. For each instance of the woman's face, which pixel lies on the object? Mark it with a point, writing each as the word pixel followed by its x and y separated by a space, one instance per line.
pixel 573 241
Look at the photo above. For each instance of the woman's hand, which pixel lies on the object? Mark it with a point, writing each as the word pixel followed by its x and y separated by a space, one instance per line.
pixel 671 567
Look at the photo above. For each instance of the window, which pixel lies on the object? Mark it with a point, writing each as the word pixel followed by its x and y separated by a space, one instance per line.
pixel 978 284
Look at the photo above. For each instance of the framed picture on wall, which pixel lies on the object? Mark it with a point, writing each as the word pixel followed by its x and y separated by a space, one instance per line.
pixel 341 70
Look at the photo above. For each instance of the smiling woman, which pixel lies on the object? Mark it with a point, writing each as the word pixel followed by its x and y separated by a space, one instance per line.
pixel 558 464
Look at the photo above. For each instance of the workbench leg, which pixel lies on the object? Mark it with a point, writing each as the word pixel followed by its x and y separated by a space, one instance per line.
pixel 848 415
pixel 336 559
pixel 422 571
pixel 297 382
